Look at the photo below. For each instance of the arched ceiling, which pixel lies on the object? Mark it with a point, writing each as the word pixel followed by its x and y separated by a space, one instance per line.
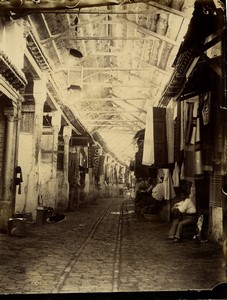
pixel 127 53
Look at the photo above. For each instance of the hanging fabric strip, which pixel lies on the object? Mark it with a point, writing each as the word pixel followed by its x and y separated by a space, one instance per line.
pixel 170 133
pixel 184 112
pixel 206 106
pixel 169 192
pixel 177 132
pixel 160 142
pixel 189 126
pixel 148 151
pixel 176 177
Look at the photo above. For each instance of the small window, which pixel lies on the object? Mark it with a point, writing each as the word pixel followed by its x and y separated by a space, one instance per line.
pixel 47 121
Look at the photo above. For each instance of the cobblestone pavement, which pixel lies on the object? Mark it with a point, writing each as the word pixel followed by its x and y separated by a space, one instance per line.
pixel 105 247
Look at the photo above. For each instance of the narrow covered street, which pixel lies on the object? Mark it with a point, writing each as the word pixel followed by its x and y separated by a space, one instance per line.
pixel 113 147
pixel 106 247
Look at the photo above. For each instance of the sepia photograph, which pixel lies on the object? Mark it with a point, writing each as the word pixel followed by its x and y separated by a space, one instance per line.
pixel 113 149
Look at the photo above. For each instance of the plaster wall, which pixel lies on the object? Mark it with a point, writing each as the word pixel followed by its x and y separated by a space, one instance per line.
pixel 48 181
pixel 27 201
pixel 11 39
pixel 63 191
pixel 48 188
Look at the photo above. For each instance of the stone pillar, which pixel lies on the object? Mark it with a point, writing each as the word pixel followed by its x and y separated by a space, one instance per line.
pixel 63 200
pixel 66 136
pixel 7 204
pixel 56 123
pixel 10 114
pixel 29 157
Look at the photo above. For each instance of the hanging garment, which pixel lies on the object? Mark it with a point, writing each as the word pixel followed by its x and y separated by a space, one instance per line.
pixel 169 192
pixel 155 144
pixel 198 152
pixel 205 99
pixel 101 165
pixel 193 155
pixel 189 123
pixel 177 131
pixel 141 171
pixel 87 184
pixel 160 142
pixel 170 133
pixel 148 151
pixel 182 176
pixel 176 175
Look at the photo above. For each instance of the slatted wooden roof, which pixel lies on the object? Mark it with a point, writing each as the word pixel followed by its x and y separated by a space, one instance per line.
pixel 127 53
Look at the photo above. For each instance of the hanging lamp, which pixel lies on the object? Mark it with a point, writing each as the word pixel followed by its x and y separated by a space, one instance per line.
pixel 76 53
pixel 74 87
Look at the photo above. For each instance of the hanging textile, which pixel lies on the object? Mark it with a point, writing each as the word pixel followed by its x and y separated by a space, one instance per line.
pixel 193 155
pixel 169 192
pixel 207 132
pixel 101 165
pixel 182 177
pixel 205 100
pixel 177 131
pixel 160 142
pixel 182 124
pixel 107 168
pixel 140 170
pixel 170 132
pixel 93 158
pixel 148 153
pixel 155 143
pixel 176 175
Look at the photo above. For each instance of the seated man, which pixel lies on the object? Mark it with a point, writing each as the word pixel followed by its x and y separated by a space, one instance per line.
pixel 158 191
pixel 153 197
pixel 143 192
pixel 186 214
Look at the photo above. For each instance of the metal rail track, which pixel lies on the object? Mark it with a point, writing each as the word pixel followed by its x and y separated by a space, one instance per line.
pixel 73 260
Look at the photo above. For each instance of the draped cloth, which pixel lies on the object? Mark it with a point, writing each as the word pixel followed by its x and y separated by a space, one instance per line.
pixel 87 184
pixel 155 143
pixel 176 175
pixel 169 192
pixel 101 165
pixel 148 151
pixel 193 155
pixel 93 156
pixel 170 133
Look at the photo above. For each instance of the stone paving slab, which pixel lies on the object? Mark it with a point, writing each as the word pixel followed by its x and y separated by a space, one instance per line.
pixel 159 264
pixel 92 252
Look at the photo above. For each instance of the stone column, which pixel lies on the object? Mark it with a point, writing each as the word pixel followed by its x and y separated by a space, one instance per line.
pixel 56 123
pixel 31 158
pixel 66 136
pixel 10 114
pixel 7 204
pixel 63 200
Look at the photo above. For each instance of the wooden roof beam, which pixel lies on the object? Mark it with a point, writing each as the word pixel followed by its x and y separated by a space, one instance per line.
pixel 107 111
pixel 169 9
pixel 110 121
pixel 119 85
pixel 132 115
pixel 101 70
pixel 148 32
